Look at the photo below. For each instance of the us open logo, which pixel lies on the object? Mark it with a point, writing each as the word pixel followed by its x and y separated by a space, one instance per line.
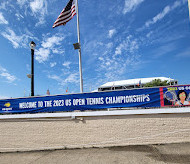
pixel 7 105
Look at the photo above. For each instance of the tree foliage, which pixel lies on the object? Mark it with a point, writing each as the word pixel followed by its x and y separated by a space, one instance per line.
pixel 157 82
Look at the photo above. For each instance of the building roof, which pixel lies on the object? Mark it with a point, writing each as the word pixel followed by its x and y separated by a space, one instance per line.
pixel 134 82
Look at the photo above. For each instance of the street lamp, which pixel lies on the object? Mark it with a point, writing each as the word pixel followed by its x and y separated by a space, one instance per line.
pixel 32 47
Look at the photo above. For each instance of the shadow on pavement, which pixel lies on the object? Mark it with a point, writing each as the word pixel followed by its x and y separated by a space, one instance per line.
pixel 154 152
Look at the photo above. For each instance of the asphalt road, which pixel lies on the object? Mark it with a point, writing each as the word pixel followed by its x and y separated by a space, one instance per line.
pixel 143 154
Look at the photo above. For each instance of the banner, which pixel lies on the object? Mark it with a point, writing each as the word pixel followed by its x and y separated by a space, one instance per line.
pixel 175 95
pixel 142 98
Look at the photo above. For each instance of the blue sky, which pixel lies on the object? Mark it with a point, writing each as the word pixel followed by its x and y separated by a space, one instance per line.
pixel 120 40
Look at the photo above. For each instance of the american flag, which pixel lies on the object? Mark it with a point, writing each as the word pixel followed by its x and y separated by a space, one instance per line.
pixel 66 15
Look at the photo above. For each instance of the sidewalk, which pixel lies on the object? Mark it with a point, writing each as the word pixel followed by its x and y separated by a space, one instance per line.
pixel 143 154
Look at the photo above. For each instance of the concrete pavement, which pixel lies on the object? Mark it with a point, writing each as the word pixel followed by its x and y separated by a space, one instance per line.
pixel 132 154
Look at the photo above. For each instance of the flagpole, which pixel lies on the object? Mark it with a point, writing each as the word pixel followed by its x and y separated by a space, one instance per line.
pixel 189 8
pixel 79 50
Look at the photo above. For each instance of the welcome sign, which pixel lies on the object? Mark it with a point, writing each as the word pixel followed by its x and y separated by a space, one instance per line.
pixel 139 98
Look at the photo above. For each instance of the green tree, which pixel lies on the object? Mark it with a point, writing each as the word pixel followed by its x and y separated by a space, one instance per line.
pixel 157 82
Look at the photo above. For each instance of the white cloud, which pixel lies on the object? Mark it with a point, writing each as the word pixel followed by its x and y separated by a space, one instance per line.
pixel 10 78
pixel 42 55
pixel 128 44
pixel 37 5
pixel 165 49
pixel 110 65
pixel 2 6
pixel 184 53
pixel 67 64
pixel 101 58
pixel 52 41
pixel 53 64
pixel 109 45
pixel 2 19
pixel 16 40
pixel 149 34
pixel 158 17
pixel 28 67
pixel 119 48
pixel 111 33
pixel 164 12
pixel 40 22
pixel 21 2
pixel 115 60
pixel 55 77
pixel 6 75
pixel 58 50
pixel 71 78
pixel 131 5
pixel 49 44
pixel 39 9
pixel 19 16
pixel 12 37
pixel 6 4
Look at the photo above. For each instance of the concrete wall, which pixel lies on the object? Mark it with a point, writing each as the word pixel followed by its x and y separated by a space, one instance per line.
pixel 39 134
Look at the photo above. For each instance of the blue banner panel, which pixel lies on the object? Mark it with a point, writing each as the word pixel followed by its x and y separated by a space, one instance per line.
pixel 149 97
pixel 176 95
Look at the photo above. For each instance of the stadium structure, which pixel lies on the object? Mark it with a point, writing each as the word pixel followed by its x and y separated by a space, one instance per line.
pixel 133 83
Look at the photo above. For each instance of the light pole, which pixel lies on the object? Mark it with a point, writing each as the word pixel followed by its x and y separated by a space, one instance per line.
pixel 77 46
pixel 32 47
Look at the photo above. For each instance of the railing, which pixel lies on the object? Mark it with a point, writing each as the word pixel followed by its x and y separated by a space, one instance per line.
pixel 74 115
